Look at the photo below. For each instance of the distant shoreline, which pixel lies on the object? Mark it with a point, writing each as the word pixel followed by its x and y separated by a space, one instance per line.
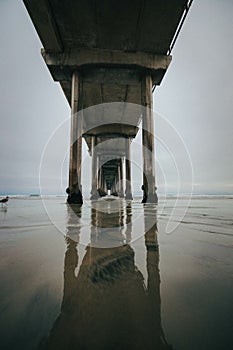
pixel 136 195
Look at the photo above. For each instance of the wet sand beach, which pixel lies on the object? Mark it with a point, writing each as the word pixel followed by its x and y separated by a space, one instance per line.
pixel 111 276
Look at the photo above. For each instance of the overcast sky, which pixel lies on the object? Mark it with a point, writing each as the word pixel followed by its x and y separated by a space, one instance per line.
pixel 196 96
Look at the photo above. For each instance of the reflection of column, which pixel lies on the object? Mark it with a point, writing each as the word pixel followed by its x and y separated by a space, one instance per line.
pixel 71 256
pixel 128 232
pixel 74 190
pixel 94 174
pixel 128 190
pixel 93 299
pixel 94 226
pixel 71 262
pixel 151 242
pixel 153 273
pixel 149 188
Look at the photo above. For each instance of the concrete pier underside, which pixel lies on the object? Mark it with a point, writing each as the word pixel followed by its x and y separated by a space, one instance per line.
pixel 104 52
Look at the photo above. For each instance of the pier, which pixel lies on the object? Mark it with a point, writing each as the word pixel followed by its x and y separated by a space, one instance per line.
pixel 104 53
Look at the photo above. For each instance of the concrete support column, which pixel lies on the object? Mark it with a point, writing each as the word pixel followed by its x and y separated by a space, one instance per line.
pixel 114 187
pixel 128 190
pixel 120 179
pixel 105 184
pixel 117 182
pixel 102 191
pixel 148 187
pixel 100 179
pixel 94 181
pixel 74 190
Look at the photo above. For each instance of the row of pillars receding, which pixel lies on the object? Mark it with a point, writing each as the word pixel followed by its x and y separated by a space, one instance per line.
pixel 99 182
pixel 115 183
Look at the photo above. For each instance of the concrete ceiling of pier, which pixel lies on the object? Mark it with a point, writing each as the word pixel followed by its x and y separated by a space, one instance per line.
pixel 126 25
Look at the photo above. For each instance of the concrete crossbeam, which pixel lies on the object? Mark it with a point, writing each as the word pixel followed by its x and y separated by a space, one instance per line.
pixel 61 65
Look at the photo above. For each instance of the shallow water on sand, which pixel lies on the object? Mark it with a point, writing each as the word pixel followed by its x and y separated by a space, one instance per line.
pixel 111 275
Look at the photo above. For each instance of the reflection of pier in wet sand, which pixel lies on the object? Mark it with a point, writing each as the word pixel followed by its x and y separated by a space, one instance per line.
pixel 104 302
pixel 106 305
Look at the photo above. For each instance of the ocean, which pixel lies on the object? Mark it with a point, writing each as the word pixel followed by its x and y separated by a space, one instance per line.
pixel 116 274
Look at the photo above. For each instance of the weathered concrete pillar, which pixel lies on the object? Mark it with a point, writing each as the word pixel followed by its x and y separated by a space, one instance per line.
pixel 113 188
pixel 94 181
pixel 100 179
pixel 117 181
pixel 74 190
pixel 101 183
pixel 148 187
pixel 120 179
pixel 105 184
pixel 128 190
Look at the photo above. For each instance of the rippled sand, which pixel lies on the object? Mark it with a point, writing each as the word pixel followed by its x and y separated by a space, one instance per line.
pixel 116 275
